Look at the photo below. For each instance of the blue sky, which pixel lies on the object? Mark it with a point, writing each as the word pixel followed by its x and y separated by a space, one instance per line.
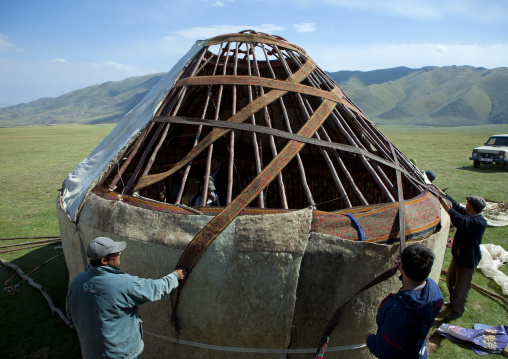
pixel 51 47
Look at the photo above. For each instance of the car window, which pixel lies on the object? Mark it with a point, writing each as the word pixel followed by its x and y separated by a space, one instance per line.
pixel 497 141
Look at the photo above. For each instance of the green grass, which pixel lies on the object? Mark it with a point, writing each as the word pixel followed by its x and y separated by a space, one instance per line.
pixel 36 159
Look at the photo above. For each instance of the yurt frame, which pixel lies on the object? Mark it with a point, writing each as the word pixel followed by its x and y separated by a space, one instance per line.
pixel 284 90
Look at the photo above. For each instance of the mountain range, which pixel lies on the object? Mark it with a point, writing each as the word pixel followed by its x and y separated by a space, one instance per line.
pixel 430 96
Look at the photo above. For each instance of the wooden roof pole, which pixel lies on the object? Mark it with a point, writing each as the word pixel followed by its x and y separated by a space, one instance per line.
pixel 299 162
pixel 139 141
pixel 328 161
pixel 229 193
pixel 261 198
pixel 396 156
pixel 113 183
pixel 375 164
pixel 282 189
pixel 156 150
pixel 190 71
pixel 142 160
pixel 389 185
pixel 345 171
pixel 346 131
pixel 377 140
pixel 384 181
pixel 204 196
pixel 343 167
pixel 196 139
pixel 339 121
pixel 403 161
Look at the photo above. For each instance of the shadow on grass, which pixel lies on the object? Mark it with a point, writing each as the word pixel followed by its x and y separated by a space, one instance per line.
pixel 29 330
pixel 484 168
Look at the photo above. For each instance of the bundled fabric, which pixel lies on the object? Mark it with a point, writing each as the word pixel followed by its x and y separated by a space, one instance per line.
pixel 493 257
pixel 483 339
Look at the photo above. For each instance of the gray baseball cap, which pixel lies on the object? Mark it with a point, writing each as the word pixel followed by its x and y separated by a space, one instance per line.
pixel 102 246
pixel 477 202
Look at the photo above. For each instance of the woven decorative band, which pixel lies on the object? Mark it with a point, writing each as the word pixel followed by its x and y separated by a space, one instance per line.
pixel 277 133
pixel 217 133
pixel 222 220
pixel 266 82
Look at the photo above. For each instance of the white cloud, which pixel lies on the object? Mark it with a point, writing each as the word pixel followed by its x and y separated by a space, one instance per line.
pixel 422 9
pixel 204 32
pixel 381 56
pixel 218 3
pixel 63 61
pixel 305 27
pixel 116 66
pixel 6 45
pixel 441 49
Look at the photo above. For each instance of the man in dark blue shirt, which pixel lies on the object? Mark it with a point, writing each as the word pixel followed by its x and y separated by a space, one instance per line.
pixel 466 253
pixel 404 318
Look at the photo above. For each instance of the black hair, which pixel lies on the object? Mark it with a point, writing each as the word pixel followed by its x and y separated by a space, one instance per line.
pixel 477 208
pixel 417 261
pixel 98 262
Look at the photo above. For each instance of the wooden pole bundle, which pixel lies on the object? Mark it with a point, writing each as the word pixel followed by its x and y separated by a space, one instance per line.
pixel 230 85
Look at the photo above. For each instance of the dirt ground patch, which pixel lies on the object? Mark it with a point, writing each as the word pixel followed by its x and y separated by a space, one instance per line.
pixel 434 342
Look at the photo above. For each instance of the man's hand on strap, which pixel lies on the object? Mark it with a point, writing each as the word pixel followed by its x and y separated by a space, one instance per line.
pixel 181 273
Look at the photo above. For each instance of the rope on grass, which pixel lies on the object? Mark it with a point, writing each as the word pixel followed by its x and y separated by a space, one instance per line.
pixel 24 243
pixel 444 271
pixel 37 244
pixel 12 238
pixel 31 282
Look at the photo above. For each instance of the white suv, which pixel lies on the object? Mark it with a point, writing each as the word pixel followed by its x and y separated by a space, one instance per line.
pixel 494 151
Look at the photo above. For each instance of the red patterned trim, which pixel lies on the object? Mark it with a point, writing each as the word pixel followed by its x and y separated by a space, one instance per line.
pixel 438 305
pixel 333 223
pixel 139 202
pixel 379 224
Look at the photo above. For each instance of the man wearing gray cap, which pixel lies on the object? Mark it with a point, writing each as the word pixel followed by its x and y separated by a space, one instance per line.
pixel 102 302
pixel 466 252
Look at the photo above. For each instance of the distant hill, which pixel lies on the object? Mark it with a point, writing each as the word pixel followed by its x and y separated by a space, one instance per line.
pixel 430 96
pixel 104 103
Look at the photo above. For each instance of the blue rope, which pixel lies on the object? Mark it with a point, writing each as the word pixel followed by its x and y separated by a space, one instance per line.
pixel 357 225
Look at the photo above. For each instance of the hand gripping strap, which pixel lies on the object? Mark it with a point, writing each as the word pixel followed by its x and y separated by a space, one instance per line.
pixel 203 239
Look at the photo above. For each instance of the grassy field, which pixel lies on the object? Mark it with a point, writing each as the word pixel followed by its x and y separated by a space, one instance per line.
pixel 36 159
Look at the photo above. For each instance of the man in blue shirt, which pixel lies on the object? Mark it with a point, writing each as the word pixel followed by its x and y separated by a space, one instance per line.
pixel 102 302
pixel 404 318
pixel 466 253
